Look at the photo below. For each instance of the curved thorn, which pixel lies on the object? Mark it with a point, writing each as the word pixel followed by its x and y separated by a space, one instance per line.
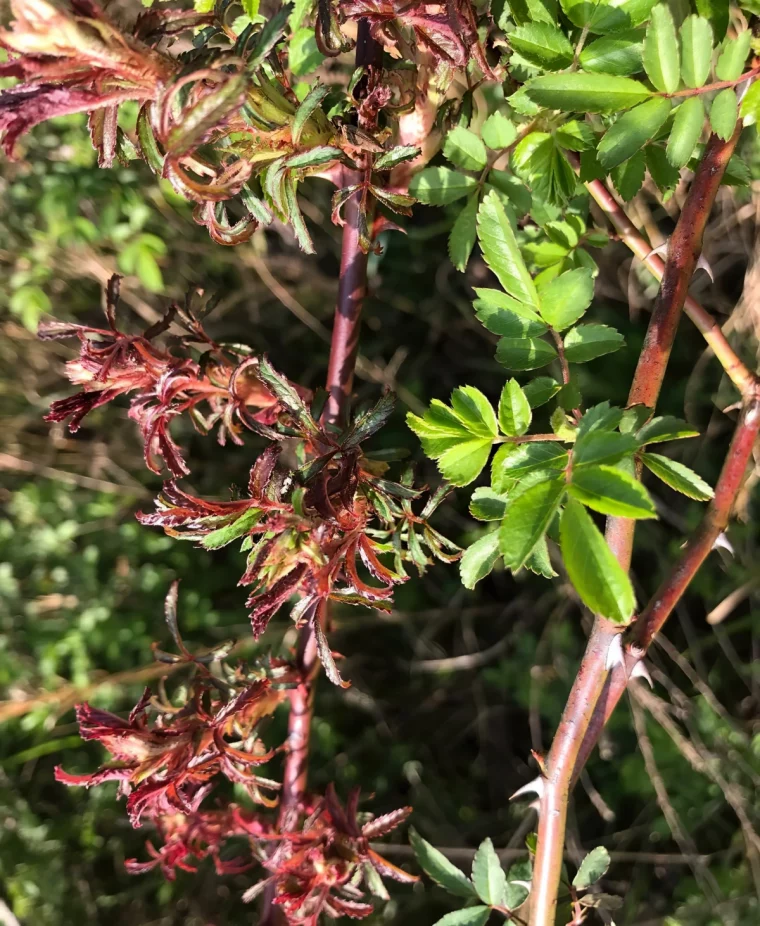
pixel 614 653
pixel 532 787
pixel 640 670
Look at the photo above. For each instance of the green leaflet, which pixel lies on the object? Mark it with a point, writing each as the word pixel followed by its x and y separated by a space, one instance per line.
pixel 462 235
pixel 527 518
pixel 439 186
pixel 565 299
pixel 539 160
pixel 687 127
pixel 597 576
pixel 678 477
pixel 593 93
pixel 439 869
pixel 593 867
pixel 539 390
pixel 498 132
pixel 543 45
pixel 723 113
pixel 514 410
pixel 632 131
pixel 696 51
pixel 463 148
pixel 731 60
pixel 513 462
pixel 602 446
pixel 629 176
pixel 661 50
pixel 750 106
pixel 619 55
pixel 524 353
pixel 605 18
pixel 504 315
pixel 488 875
pixel 479 559
pixel 664 174
pixel 501 253
pixel 487 505
pixel 586 342
pixel 470 916
pixel 665 428
pixel 224 535
pixel 611 491
pixel 460 437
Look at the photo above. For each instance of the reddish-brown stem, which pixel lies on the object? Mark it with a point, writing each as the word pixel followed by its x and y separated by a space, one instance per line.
pixel 718 85
pixel 344 344
pixel 591 688
pixel 735 369
pixel 650 621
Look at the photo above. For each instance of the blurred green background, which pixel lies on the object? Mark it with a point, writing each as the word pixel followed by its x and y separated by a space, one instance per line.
pixel 452 690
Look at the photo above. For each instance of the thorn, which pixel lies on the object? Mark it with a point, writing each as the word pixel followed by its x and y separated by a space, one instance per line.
pixel 614 653
pixel 661 250
pixel 705 265
pixel 533 787
pixel 722 542
pixel 640 670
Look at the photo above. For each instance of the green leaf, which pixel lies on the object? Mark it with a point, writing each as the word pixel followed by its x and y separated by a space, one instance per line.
pixel 565 298
pixel 540 564
pixel 586 342
pixel 395 156
pixel 470 916
pixel 665 428
pixel 696 51
pixel 539 390
pixel 501 253
pixel 488 875
pixel 524 353
pixel 661 50
pixel 618 16
pixel 463 148
pixel 498 132
pixel 487 505
pixel 270 35
pixel 629 176
pixel 506 316
pixel 224 535
pixel 308 106
pixel 439 869
pixel 750 105
pixel 460 437
pixel 514 410
pixel 611 491
pixel 664 174
pixel 687 127
pixel 632 131
pixel 602 447
pixel 543 45
pixel 716 11
pixel 593 93
pixel 539 160
pixel 678 476
pixel 732 57
pixel 593 867
pixel 723 113
pixel 439 186
pixel 305 56
pixel 513 462
pixel 526 519
pixel 479 559
pixel 462 235
pixel 616 54
pixel 513 188
pixel 597 576
pixel 575 136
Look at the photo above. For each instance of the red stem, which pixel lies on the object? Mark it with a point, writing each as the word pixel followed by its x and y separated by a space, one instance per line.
pixel 585 712
pixel 352 289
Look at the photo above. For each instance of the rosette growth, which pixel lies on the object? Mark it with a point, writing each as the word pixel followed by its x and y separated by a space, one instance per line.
pixel 321 867
pixel 214 390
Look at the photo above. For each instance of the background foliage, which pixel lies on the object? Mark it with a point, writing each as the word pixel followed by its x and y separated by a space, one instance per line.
pixel 445 706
